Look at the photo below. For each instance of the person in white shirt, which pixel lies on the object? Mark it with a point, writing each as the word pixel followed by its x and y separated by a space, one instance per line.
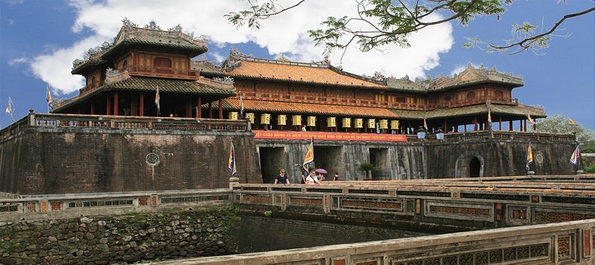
pixel 312 179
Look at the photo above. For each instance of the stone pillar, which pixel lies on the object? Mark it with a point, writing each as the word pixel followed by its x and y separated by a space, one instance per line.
pixel 233 181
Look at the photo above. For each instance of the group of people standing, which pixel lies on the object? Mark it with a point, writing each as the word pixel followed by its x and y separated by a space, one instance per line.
pixel 312 179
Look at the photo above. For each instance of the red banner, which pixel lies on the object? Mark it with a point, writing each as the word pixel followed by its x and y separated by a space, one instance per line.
pixel 329 136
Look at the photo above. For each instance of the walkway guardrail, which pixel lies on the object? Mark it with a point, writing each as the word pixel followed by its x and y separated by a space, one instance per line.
pixel 63 205
pixel 445 204
pixel 560 243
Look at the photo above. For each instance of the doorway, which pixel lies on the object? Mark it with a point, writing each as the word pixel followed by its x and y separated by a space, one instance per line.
pixel 271 160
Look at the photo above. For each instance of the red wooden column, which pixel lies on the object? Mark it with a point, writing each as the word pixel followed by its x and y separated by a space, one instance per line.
pixel 115 103
pixel 92 111
pixel 134 106
pixel 199 108
pixel 189 107
pixel 141 104
pixel 220 108
pixel 210 109
pixel 108 107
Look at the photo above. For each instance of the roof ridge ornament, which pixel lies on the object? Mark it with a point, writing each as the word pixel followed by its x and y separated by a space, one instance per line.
pixel 128 25
pixel 152 25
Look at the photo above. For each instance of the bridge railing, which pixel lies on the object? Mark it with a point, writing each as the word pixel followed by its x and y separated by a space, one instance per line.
pixel 449 204
pixel 63 205
pixel 560 243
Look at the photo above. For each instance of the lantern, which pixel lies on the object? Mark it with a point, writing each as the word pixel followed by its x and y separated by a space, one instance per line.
pixel 371 123
pixel 383 124
pixel 232 115
pixel 296 120
pixel 359 123
pixel 265 118
pixel 331 122
pixel 281 119
pixel 311 121
pixel 250 117
pixel 346 122
pixel 394 125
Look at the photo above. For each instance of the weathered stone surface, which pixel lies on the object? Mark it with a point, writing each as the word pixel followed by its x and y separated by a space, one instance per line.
pixel 22 244
pixel 42 160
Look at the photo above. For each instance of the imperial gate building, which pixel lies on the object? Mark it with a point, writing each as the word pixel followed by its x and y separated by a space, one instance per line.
pixel 151 116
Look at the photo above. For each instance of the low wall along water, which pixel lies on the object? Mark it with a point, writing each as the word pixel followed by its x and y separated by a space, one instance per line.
pixel 118 239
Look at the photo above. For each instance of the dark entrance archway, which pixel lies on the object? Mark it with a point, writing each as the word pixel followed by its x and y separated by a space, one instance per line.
pixel 271 160
pixel 474 168
pixel 469 165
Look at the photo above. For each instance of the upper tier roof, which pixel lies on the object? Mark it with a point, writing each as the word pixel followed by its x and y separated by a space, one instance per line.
pixel 151 36
pixel 283 70
pixel 469 77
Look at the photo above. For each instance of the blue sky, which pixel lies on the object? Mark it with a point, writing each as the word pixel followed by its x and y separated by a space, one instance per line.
pixel 39 39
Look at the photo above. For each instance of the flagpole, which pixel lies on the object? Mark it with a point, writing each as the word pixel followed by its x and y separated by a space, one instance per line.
pixel 48 98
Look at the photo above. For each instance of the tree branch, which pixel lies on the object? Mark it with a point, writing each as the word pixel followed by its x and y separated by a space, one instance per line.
pixel 526 43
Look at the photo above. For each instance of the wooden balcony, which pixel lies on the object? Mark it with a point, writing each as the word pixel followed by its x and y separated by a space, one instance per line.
pixel 153 71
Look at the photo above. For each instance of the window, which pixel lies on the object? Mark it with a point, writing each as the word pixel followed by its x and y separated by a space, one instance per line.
pixel 470 95
pixel 162 65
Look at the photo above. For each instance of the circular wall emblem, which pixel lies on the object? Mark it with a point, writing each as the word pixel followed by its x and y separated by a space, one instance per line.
pixel 539 158
pixel 152 159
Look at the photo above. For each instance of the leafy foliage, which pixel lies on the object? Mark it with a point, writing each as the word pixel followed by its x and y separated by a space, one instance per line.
pixel 386 22
pixel 559 124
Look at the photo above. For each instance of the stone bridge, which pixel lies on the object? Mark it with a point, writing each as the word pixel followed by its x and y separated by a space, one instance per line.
pixel 510 220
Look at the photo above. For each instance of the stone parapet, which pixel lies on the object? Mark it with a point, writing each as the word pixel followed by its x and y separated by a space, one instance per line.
pixel 561 243
pixel 59 206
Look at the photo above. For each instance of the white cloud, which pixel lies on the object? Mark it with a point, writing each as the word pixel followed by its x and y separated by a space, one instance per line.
pixel 284 34
pixel 18 61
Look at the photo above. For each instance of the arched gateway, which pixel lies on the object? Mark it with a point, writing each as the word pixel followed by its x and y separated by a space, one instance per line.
pixel 469 165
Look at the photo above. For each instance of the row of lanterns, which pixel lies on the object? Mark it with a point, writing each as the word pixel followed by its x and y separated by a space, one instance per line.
pixel 296 120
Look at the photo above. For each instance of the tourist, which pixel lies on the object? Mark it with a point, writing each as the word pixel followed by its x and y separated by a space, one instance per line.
pixel 320 176
pixel 312 179
pixel 282 178
pixel 336 177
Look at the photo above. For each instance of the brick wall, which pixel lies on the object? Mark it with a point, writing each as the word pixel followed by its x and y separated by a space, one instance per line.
pixel 43 160
pixel 117 239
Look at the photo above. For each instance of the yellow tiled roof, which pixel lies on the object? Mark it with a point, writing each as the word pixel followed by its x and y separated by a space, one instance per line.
pixel 309 73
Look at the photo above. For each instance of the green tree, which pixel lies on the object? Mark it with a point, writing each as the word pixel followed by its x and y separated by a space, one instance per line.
pixel 559 124
pixel 387 22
